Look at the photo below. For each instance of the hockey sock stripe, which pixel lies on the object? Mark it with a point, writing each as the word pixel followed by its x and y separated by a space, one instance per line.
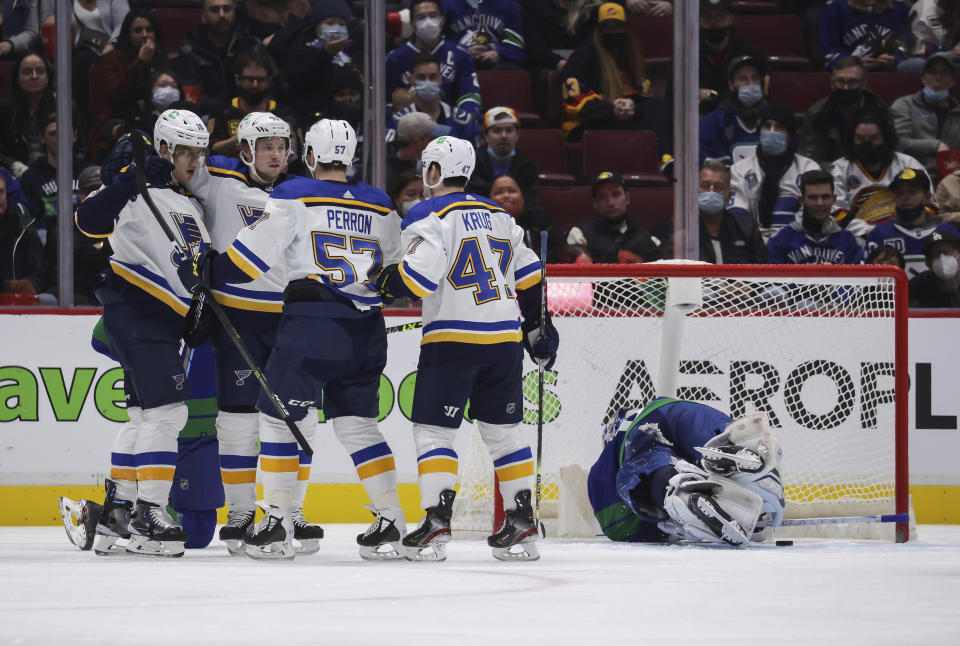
pixel 279 465
pixel 376 467
pixel 517 456
pixel 239 477
pixel 438 452
pixel 155 457
pixel 123 459
pixel 369 453
pixel 437 465
pixel 155 473
pixel 515 471
pixel 303 473
pixel 123 474
pixel 283 449
pixel 238 462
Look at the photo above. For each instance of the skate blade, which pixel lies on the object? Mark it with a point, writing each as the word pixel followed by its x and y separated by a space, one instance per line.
pixel 144 546
pixel 71 512
pixel 307 546
pixel 720 523
pixel 270 552
pixel 517 552
pixel 385 552
pixel 435 551
pixel 234 546
pixel 105 545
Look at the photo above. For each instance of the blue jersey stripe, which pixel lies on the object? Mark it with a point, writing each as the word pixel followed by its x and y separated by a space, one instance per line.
pixel 481 326
pixel 516 456
pixel 249 255
pixel 430 285
pixel 156 279
pixel 436 453
pixel 233 290
pixel 238 462
pixel 525 271
pixel 369 453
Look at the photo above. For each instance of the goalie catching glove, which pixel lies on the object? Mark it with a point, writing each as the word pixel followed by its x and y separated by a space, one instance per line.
pixel 194 272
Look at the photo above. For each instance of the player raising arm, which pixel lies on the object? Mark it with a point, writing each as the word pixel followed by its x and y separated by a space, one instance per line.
pixel 144 306
pixel 466 258
pixel 682 470
pixel 325 237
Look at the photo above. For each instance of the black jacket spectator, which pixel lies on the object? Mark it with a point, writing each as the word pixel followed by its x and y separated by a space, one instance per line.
pixel 20 30
pixel 605 239
pixel 740 241
pixel 522 168
pixel 545 27
pixel 205 69
pixel 925 291
pixel 21 252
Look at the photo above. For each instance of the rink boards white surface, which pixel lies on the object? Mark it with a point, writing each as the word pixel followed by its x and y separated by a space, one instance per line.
pixel 836 592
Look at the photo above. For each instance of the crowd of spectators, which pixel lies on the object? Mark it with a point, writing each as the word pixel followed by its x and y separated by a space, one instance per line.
pixel 866 170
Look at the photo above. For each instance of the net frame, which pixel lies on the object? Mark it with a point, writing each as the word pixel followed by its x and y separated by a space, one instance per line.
pixel 896 277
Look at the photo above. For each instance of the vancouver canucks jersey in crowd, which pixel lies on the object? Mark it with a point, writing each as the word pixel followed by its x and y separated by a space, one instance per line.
pixel 495 23
pixel 907 240
pixel 462 128
pixel 858 190
pixel 460 86
pixel 466 258
pixel 746 178
pixel 232 201
pixel 793 245
pixel 724 136
pixel 142 255
pixel 634 446
pixel 337 233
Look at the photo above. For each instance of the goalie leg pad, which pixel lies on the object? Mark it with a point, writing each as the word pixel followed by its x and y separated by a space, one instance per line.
pixel 746 445
pixel 80 520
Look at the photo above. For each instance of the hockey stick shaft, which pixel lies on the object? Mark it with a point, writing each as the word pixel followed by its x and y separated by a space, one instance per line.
pixel 839 520
pixel 543 329
pixel 140 176
pixel 415 325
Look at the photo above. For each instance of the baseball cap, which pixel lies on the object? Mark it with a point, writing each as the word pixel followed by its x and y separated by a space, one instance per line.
pixel 911 176
pixel 417 124
pixel 611 11
pixel 721 6
pixel 608 176
pixel 940 56
pixel 740 61
pixel 89 178
pixel 500 114
pixel 944 234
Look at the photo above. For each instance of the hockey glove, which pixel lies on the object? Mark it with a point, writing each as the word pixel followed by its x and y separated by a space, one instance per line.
pixel 543 347
pixel 158 171
pixel 382 282
pixel 194 272
pixel 199 323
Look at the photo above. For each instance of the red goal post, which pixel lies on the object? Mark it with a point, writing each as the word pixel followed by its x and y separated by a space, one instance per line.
pixel 822 349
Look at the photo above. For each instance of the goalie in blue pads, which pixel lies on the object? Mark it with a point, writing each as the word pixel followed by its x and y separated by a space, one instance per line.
pixel 679 470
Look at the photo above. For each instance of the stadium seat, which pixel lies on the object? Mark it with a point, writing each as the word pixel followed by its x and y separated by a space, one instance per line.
pixel 655 36
pixel 173 25
pixel 779 36
pixel 546 148
pixel 890 86
pixel 6 78
pixel 510 88
pixel 633 154
pixel 567 205
pixel 798 90
pixel 651 205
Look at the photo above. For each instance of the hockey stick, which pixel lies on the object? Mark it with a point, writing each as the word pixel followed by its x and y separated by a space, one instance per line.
pixel 141 177
pixel 840 520
pixel 405 327
pixel 543 329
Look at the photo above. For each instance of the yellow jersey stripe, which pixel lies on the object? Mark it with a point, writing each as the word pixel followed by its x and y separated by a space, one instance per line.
pixel 411 284
pixel 340 200
pixel 467 337
pixel 376 467
pixel 243 304
pixel 158 293
pixel 238 477
pixel 455 205
pixel 529 281
pixel 93 235
pixel 245 266
pixel 515 471
pixel 227 171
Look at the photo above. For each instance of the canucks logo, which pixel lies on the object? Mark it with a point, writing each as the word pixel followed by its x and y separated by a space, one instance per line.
pixel 249 214
pixel 189 233
pixel 242 375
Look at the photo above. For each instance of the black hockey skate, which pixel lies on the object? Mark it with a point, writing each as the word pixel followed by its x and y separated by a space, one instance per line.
pixel 516 540
pixel 428 541
pixel 113 529
pixel 80 518
pixel 306 536
pixel 272 538
pixel 154 533
pixel 238 527
pixel 381 541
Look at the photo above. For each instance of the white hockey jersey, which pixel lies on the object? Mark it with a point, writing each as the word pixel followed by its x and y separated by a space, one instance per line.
pixel 746 176
pixel 334 232
pixel 142 254
pixel 233 201
pixel 465 257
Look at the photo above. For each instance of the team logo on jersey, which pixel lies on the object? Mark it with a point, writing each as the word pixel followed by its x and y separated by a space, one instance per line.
pixel 250 214
pixel 189 233
pixel 450 411
pixel 897 243
pixel 853 182
pixel 179 381
pixel 242 376
pixel 348 195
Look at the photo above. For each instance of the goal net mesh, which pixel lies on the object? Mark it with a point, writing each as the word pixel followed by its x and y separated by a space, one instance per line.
pixel 813 348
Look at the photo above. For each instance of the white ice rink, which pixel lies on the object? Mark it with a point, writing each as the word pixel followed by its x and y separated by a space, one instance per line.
pixel 579 593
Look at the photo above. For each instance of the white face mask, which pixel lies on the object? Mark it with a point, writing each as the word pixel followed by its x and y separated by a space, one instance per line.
pixel 409 204
pixel 944 266
pixel 428 30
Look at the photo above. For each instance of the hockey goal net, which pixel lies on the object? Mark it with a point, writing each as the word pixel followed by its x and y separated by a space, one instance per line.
pixel 820 349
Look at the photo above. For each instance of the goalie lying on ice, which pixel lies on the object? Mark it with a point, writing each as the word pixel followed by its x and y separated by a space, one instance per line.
pixel 679 470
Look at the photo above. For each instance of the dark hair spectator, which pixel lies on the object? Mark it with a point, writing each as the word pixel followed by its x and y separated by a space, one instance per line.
pixel 406 191
pixel 21 252
pixel 20 31
pixel 459 81
pixel 729 238
pixel 501 156
pixel 719 46
pixel 605 85
pixel 885 255
pixel 506 192
pixel 254 74
pixel 262 18
pixel 869 29
pixel 830 121
pixel 32 98
pixel 491 31
pixel 726 134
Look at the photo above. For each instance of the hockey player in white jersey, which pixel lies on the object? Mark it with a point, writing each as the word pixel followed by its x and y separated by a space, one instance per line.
pixel 234 192
pixel 325 237
pixel 144 306
pixel 466 258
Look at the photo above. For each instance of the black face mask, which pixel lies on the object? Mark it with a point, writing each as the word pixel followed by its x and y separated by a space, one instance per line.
pixel 715 36
pixel 810 223
pixel 614 42
pixel 909 215
pixel 868 154
pixel 846 96
pixel 252 97
pixel 347 110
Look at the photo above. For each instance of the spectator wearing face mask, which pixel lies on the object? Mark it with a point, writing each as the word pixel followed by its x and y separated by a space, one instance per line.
pixel 829 121
pixel 730 132
pixel 719 46
pixel 406 191
pixel 254 76
pixel 413 132
pixel 765 184
pixel 457 71
pixel 928 121
pixel 913 220
pixel 726 237
pixel 491 30
pixel 939 285
pixel 813 238
pixel 500 156
pixel 864 174
pixel 425 79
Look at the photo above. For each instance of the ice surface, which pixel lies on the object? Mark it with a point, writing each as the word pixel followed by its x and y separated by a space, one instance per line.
pixel 838 592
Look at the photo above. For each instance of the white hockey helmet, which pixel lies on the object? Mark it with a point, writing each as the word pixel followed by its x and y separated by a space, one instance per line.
pixel 331 140
pixel 455 158
pixel 179 128
pixel 260 125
